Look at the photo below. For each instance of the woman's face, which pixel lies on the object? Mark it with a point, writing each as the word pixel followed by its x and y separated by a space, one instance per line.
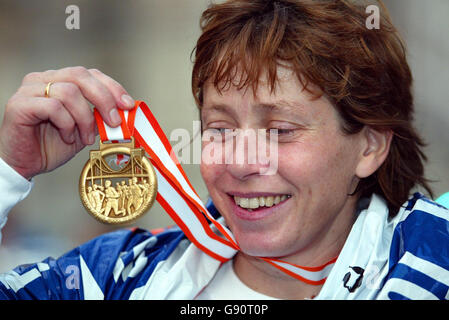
pixel 315 169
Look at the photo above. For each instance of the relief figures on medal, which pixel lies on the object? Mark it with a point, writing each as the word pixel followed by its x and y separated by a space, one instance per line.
pixel 122 199
pixel 115 191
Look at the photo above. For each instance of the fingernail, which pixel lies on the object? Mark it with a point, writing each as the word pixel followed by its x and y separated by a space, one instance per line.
pixel 115 117
pixel 128 101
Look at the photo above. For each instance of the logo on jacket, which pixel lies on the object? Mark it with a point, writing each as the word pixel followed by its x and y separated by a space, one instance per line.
pixel 353 279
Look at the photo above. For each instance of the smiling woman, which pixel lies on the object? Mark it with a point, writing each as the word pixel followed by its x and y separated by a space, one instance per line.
pixel 318 166
pixel 334 220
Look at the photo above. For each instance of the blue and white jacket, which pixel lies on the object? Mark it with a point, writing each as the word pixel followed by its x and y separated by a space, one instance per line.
pixel 406 257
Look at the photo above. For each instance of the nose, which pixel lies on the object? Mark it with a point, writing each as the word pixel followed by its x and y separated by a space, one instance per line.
pixel 246 157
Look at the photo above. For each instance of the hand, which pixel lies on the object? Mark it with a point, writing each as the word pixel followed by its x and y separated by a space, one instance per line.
pixel 39 134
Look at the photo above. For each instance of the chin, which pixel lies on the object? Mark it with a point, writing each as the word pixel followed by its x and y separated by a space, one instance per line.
pixel 262 243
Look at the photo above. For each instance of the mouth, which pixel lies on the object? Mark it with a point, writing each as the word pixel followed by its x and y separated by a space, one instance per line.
pixel 257 206
pixel 260 202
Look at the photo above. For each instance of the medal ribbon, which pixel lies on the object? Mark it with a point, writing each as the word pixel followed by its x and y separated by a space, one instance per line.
pixel 178 197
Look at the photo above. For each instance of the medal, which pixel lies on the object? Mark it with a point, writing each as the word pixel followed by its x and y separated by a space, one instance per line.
pixel 118 183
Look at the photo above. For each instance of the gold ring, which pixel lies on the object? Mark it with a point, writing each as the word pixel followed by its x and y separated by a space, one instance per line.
pixel 47 89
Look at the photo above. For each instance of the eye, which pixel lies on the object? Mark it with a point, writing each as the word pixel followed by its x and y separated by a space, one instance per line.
pixel 284 131
pixel 215 131
pixel 217 134
pixel 280 131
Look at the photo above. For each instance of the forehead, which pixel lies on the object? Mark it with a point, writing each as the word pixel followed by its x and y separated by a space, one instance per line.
pixel 284 82
pixel 288 95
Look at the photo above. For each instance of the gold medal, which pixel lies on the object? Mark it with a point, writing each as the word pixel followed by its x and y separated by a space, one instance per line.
pixel 118 184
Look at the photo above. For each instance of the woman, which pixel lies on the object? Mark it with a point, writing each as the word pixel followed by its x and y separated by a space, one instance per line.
pixel 337 95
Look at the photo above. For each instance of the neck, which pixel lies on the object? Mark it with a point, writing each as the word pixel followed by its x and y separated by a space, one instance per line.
pixel 266 279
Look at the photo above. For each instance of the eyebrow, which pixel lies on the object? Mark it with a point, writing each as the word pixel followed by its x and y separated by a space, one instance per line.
pixel 282 105
pixel 276 106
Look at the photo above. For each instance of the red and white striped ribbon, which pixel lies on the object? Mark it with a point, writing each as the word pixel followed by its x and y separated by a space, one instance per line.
pixel 180 200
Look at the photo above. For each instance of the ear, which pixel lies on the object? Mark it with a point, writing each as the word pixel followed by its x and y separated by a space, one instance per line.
pixel 376 145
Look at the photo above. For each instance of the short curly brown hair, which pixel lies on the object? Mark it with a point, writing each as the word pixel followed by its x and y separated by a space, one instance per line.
pixel 363 71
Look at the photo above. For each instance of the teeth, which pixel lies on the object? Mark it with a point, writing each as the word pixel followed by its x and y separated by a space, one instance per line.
pixel 254 203
pixel 277 199
pixel 244 202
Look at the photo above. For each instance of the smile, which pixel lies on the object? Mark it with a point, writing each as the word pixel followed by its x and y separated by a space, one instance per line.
pixel 257 202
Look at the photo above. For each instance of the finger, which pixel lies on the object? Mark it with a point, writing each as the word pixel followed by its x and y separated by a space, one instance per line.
pixel 71 97
pixel 79 144
pixel 122 97
pixel 37 110
pixel 32 77
pixel 92 89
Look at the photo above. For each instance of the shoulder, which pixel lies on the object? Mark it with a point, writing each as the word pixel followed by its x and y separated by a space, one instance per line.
pixel 109 266
pixel 113 257
pixel 422 228
pixel 419 248
pixel 126 240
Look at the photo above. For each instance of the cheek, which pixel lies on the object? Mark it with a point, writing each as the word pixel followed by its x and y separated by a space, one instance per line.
pixel 320 166
pixel 211 173
pixel 299 163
